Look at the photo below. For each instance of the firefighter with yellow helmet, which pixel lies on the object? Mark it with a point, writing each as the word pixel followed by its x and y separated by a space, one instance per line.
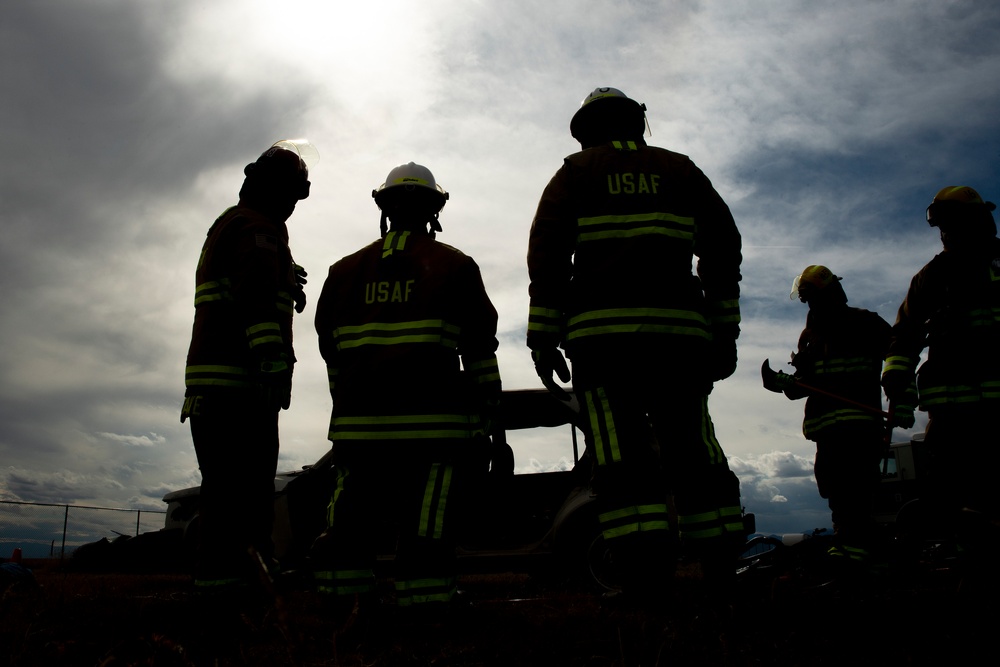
pixel 952 309
pixel 408 334
pixel 840 353
pixel 240 360
pixel 611 283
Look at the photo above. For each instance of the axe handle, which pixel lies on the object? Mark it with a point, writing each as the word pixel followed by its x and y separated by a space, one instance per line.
pixel 860 406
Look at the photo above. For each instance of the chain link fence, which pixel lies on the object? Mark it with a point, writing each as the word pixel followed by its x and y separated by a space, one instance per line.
pixel 48 530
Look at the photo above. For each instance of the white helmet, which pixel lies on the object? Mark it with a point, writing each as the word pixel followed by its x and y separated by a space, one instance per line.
pixel 411 188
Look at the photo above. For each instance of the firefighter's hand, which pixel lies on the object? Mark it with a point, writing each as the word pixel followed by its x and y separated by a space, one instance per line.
pixel 902 417
pixel 274 382
pixel 896 384
pixel 723 362
pixel 779 382
pixel 299 295
pixel 549 361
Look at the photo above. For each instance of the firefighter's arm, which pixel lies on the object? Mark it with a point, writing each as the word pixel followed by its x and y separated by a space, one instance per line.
pixel 718 246
pixel 479 343
pixel 264 303
pixel 325 324
pixel 905 344
pixel 550 269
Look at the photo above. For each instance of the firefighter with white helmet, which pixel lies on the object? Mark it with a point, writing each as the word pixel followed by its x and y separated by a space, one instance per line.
pixel 408 334
pixel 952 309
pixel 610 263
pixel 840 352
pixel 239 364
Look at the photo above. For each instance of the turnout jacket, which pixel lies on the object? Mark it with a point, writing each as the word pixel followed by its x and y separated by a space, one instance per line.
pixel 243 302
pixel 953 309
pixel 610 255
pixel 841 352
pixel 409 338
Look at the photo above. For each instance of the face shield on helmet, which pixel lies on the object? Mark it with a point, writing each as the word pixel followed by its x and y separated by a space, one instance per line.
pixel 812 279
pixel 958 203
pixel 606 114
pixel 410 193
pixel 283 169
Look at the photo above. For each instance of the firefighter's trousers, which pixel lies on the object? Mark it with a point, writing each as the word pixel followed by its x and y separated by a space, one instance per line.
pixel 381 506
pixel 236 439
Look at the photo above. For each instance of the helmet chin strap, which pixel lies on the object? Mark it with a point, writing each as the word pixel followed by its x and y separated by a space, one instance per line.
pixel 383 226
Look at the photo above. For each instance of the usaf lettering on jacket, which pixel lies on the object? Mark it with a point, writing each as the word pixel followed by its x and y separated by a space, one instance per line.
pixel 388 292
pixel 631 184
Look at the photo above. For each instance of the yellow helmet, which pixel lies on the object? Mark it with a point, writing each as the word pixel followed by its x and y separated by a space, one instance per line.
pixel 813 277
pixel 958 203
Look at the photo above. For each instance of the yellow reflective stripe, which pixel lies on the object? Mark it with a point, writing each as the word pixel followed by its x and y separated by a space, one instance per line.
pixel 640 224
pixel 264 333
pixel 940 395
pixel 423 591
pixel 213 290
pixel 547 320
pixel 285 303
pixel 602 427
pixel 432 527
pixel 219 376
pixel 725 311
pixel 403 427
pixel 394 241
pixel 339 483
pixel 344 582
pixel 847 365
pixel 638 320
pixel 634 519
pixel 397 333
pixel 627 146
pixel 899 363
pixel 991 389
pixel 484 371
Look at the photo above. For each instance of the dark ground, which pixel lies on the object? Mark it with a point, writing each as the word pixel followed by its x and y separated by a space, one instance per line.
pixel 921 612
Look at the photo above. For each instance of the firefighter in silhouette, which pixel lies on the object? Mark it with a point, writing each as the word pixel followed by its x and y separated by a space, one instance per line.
pixel 409 338
pixel 239 364
pixel 952 309
pixel 840 352
pixel 610 263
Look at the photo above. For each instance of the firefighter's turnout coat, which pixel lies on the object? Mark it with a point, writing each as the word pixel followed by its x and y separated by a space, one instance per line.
pixel 841 352
pixel 243 302
pixel 611 249
pixel 409 338
pixel 953 309
pixel 610 264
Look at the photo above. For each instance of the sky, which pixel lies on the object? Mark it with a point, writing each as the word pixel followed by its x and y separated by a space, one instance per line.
pixel 125 127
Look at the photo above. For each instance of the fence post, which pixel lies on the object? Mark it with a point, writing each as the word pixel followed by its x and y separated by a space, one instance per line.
pixel 62 551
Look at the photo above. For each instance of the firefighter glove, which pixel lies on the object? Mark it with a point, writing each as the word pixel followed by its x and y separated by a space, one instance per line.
pixel 779 382
pixel 299 294
pixel 897 384
pixel 902 416
pixel 549 361
pixel 274 382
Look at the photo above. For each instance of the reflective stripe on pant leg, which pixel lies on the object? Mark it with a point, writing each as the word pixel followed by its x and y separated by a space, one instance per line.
pixel 428 590
pixel 435 499
pixel 634 519
pixel 344 582
pixel 602 426
pixel 338 488
pixel 711 524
